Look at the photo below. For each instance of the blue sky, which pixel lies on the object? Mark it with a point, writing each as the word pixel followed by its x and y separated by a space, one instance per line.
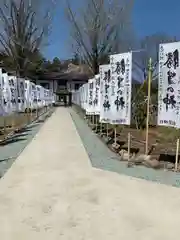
pixel 149 16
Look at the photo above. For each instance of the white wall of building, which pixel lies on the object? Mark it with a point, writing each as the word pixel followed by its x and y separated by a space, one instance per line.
pixel 71 86
pixel 53 85
pixel 50 84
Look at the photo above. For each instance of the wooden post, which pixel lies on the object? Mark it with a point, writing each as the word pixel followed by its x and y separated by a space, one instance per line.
pixel 31 119
pixel 36 113
pixel 148 103
pixel 27 116
pixel 177 154
pixel 96 123
pixel 29 111
pixel 107 130
pixel 93 118
pixel 5 123
pixel 129 145
pixel 100 127
pixel 115 134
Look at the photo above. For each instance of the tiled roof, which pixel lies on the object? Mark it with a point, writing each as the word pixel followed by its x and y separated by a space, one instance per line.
pixel 73 72
pixel 63 76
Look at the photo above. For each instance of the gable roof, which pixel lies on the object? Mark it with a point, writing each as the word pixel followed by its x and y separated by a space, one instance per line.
pixel 73 72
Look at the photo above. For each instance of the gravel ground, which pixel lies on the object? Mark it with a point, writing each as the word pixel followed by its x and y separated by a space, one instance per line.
pixel 15 145
pixel 101 157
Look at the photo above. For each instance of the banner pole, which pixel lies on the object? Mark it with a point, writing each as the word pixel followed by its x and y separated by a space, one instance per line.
pixel 129 145
pixel 107 129
pixel 5 124
pixel 96 123
pixel 177 155
pixel 148 103
pixel 115 135
pixel 100 127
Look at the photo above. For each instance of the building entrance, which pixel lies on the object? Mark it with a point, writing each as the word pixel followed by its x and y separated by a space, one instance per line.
pixel 64 99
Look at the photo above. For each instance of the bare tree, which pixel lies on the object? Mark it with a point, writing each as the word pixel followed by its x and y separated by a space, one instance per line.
pixel 99 29
pixel 24 28
pixel 149 48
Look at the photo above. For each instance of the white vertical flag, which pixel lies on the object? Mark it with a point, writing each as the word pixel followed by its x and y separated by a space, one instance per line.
pixel 42 96
pixel 6 95
pixel 21 94
pixel 14 93
pixel 86 96
pixel 1 94
pixel 38 89
pixel 169 85
pixel 34 95
pixel 96 95
pixel 121 82
pixel 105 104
pixel 90 108
pixel 81 96
pixel 27 104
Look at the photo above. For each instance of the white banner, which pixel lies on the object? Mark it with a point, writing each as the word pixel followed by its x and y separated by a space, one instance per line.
pixel 169 85
pixel 90 108
pixel 86 96
pixel 83 97
pixel 1 94
pixel 96 100
pixel 21 94
pixel 6 94
pixel 42 96
pixel 78 97
pixel 14 93
pixel 105 104
pixel 121 82
pixel 34 95
pixel 28 96
pixel 38 90
pixel 45 97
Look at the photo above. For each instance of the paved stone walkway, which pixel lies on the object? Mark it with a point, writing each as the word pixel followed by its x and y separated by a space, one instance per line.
pixel 53 192
pixel 15 145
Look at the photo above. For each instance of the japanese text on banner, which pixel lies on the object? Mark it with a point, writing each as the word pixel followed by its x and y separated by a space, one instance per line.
pixel 169 85
pixel 121 81
pixel 105 79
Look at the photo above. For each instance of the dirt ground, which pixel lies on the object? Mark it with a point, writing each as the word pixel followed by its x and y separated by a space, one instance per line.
pixel 162 140
pixel 14 121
